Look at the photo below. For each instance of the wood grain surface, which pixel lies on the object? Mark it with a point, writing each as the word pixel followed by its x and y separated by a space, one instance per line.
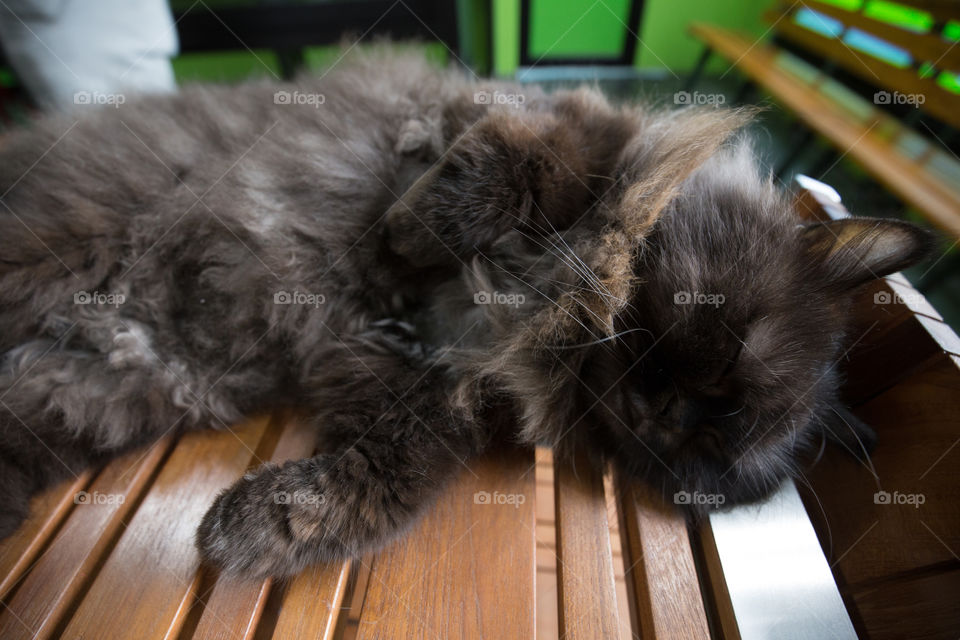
pixel 467 570
pixel 587 600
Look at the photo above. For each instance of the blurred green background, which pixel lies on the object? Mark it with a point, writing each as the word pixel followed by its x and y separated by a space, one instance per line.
pixel 558 29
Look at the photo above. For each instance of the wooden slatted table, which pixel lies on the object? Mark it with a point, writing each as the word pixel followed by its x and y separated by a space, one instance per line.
pixel 613 559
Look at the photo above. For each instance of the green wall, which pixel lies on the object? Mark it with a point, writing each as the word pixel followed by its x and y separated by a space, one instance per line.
pixel 560 28
pixel 666 43
pixel 581 27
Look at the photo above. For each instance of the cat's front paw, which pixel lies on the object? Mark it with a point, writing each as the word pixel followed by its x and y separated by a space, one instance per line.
pixel 277 520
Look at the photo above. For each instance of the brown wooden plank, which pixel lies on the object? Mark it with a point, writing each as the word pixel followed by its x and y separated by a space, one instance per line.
pixel 885 550
pixel 312 604
pixel 661 570
pixel 917 453
pixel 587 599
pixel 937 100
pixel 59 576
pixel 943 10
pixel 717 594
pixel 47 511
pixel 234 606
pixel 911 607
pixel 467 570
pixel 547 607
pixel 869 147
pixel 928 47
pixel 149 582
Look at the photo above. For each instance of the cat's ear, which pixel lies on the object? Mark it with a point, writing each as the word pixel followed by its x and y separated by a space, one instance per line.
pixel 856 250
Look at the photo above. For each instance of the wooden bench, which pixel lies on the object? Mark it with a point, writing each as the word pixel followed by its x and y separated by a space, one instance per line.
pixel 919 171
pixel 110 554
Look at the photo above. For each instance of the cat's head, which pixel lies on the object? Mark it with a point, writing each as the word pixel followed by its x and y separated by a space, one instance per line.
pixel 727 366
pixel 720 368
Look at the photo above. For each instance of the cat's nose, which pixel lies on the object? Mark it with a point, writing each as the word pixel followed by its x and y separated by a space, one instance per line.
pixel 683 414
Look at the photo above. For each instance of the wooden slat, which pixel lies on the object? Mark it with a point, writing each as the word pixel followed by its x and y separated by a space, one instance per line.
pixel 47 511
pixel 894 561
pixel 48 593
pixel 467 570
pixel 233 608
pixel 148 584
pixel 913 607
pixel 917 453
pixel 312 603
pixel 943 10
pixel 929 47
pixel 938 101
pixel 937 200
pixel 587 598
pixel 718 594
pixel 661 570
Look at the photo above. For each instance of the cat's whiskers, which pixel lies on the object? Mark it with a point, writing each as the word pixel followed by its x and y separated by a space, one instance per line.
pixel 545 296
pixel 607 339
pixel 584 271
pixel 800 477
pixel 581 274
pixel 602 289
pixel 733 413
pixel 600 320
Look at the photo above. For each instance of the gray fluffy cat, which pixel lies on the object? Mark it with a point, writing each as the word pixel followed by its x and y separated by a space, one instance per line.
pixel 180 262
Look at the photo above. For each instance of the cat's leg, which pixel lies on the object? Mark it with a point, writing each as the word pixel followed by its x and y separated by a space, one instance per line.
pixel 394 441
pixel 66 408
pixel 537 171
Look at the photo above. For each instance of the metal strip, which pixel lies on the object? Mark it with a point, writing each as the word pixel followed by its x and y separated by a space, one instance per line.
pixel 779 582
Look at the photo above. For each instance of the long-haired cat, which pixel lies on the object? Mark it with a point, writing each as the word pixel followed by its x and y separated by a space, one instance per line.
pixel 409 263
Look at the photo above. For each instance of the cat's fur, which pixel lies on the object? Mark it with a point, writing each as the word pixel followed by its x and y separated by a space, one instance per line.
pixel 201 208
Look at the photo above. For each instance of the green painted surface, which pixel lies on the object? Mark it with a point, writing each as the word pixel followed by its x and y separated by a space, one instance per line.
pixel 506 36
pixel 949 81
pixel 849 5
pixel 898 14
pixel 577 28
pixel 666 43
pixel 226 66
pixel 951 31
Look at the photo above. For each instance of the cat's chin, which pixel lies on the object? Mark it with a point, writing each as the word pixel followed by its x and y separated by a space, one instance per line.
pixel 704 444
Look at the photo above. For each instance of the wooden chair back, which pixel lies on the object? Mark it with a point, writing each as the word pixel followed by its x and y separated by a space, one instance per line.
pixel 906 49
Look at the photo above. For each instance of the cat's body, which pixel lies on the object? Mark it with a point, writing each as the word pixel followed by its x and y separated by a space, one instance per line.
pixel 183 261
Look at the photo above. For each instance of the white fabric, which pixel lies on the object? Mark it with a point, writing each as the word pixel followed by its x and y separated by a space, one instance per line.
pixel 76 51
